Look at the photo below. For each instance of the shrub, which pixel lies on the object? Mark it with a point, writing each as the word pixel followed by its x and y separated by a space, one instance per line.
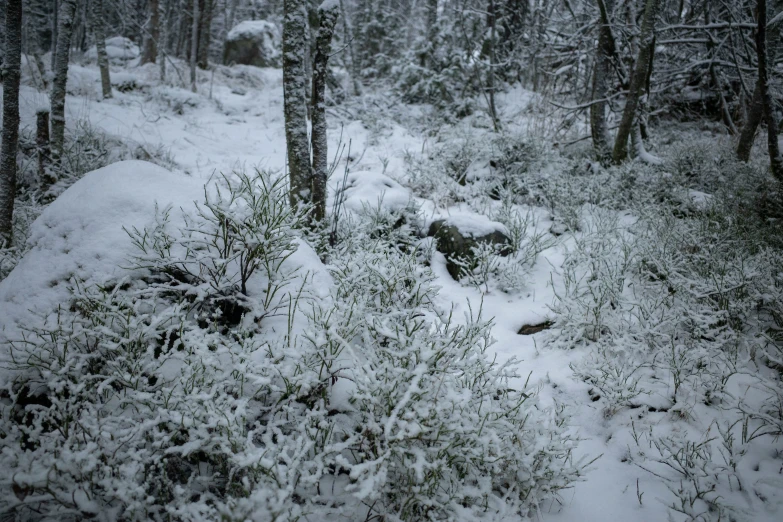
pixel 206 384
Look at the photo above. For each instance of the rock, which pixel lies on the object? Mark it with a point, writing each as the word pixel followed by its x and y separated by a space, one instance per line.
pixel 457 236
pixel 253 42
pixel 530 329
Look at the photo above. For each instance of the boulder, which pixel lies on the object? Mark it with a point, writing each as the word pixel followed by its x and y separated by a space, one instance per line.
pixel 457 236
pixel 253 42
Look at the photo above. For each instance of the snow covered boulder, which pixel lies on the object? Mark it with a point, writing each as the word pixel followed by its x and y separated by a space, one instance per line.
pixel 253 42
pixel 80 235
pixel 458 236
pixel 119 49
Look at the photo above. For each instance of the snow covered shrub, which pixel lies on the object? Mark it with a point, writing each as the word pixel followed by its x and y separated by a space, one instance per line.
pixel 176 99
pixel 150 398
pixel 437 429
pixel 207 384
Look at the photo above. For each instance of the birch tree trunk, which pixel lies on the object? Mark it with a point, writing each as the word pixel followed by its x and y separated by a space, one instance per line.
pixel 776 162
pixel 99 31
pixel 327 16
pixel 638 78
pixel 150 52
pixel 601 74
pixel 194 47
pixel 64 31
pixel 294 100
pixel 10 141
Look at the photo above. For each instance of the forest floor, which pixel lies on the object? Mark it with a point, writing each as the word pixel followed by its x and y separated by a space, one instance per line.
pixel 394 157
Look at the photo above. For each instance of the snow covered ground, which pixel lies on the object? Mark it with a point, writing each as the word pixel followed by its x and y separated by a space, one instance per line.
pixel 235 123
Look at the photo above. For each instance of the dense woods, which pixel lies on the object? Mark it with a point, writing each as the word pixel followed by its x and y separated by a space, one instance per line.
pixel 391 260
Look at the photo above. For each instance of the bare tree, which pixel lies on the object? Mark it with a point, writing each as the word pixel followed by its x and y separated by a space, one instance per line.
pixel 328 13
pixel 99 31
pixel 294 100
pixel 638 79
pixel 151 38
pixel 10 140
pixel 64 30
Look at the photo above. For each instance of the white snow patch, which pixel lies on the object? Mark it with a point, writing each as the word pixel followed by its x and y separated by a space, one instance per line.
pixel 81 235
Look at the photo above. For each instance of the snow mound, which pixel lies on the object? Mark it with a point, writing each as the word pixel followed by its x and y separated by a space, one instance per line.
pixel 252 29
pixel 475 225
pixel 118 48
pixel 372 188
pixel 81 235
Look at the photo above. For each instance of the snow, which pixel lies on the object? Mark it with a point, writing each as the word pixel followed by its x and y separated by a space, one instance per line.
pixel 118 48
pixel 81 235
pixel 473 224
pixel 254 30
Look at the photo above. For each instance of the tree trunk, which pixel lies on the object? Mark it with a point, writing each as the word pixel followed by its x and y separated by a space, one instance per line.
pixel 99 31
pixel 752 121
pixel 205 33
pixel 194 47
pixel 755 112
pixel 12 63
pixel 294 101
pixel 64 31
pixel 56 11
pixel 42 146
pixel 638 77
pixel 601 74
pixel 150 52
pixel 348 41
pixel 327 16
pixel 432 32
pixel 776 162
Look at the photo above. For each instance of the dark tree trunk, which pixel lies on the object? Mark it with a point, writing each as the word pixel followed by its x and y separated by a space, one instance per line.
pixel 205 32
pixel 42 146
pixel 323 43
pixel 294 101
pixel 99 31
pixel 12 62
pixel 64 31
pixel 638 77
pixel 194 45
pixel 601 74
pixel 752 122
pixel 151 38
pixel 776 162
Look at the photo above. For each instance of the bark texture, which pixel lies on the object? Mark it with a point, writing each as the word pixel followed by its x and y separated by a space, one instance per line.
pixel 150 51
pixel 10 141
pixel 194 46
pixel 99 31
pixel 638 79
pixel 42 146
pixel 752 121
pixel 323 43
pixel 295 101
pixel 206 9
pixel 755 113
pixel 776 162
pixel 601 74
pixel 64 31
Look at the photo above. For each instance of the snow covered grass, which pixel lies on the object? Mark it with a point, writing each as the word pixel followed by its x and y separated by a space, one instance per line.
pixel 206 381
pixel 221 362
